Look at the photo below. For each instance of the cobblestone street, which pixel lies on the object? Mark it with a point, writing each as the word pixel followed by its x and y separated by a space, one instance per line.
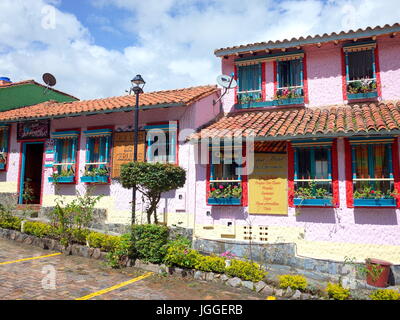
pixel 77 277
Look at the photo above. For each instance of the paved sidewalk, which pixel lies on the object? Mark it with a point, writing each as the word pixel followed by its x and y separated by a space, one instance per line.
pixel 76 277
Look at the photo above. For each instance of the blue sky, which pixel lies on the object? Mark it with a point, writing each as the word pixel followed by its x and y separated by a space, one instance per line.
pixel 94 47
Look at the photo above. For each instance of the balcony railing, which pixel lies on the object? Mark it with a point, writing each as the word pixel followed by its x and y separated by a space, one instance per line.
pixel 313 192
pixel 362 89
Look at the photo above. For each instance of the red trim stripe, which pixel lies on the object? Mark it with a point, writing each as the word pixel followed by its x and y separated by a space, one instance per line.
pixel 335 174
pixel 396 168
pixel 305 80
pixel 263 82
pixel 290 152
pixel 349 175
pixel 378 72
pixel 344 76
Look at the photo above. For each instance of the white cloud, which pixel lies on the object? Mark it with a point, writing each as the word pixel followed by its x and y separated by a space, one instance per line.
pixel 176 38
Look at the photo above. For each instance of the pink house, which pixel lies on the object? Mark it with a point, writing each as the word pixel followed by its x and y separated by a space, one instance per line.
pixel 325 184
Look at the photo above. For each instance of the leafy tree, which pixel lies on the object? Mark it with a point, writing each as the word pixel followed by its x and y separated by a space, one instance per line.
pixel 152 179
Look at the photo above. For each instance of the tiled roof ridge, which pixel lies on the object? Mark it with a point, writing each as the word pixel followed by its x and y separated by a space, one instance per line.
pixel 315 37
pixel 167 98
pixel 145 93
pixel 341 119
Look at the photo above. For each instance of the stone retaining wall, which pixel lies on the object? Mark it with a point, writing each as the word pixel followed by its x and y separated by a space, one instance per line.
pixel 285 254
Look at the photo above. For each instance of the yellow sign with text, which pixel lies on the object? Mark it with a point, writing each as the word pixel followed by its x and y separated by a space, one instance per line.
pixel 268 185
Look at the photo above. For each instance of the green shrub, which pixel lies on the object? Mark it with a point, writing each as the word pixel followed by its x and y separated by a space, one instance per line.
pixel 121 251
pixel 150 242
pixel 337 292
pixel 13 223
pixel 385 294
pixel 102 241
pixel 246 270
pixel 210 264
pixel 39 229
pixel 181 256
pixel 79 235
pixel 295 282
pixel 7 220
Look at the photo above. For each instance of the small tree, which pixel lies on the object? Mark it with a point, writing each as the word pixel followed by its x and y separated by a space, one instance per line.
pixel 152 179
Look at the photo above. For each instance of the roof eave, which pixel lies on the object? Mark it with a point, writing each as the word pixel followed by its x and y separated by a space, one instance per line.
pixel 313 40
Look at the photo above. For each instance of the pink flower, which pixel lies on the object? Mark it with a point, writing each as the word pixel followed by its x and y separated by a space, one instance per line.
pixel 221 187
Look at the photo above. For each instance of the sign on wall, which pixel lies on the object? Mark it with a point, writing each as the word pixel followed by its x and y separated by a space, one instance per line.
pixel 268 185
pixel 49 153
pixel 123 150
pixel 33 130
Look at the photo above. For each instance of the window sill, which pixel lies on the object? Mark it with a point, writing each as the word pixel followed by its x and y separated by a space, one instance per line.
pixel 224 201
pixel 273 103
pixel 374 202
pixel 70 179
pixel 313 202
pixel 96 179
pixel 362 96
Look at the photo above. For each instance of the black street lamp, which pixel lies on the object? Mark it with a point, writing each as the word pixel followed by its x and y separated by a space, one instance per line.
pixel 137 88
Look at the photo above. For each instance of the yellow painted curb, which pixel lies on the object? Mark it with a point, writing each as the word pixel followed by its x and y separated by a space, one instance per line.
pixel 123 284
pixel 28 259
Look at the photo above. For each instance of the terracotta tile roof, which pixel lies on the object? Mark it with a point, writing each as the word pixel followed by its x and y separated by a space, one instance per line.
pixel 25 82
pixel 308 122
pixel 51 109
pixel 286 43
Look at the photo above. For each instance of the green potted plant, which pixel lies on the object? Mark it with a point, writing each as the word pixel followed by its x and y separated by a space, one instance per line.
pixel 367 196
pixel 225 194
pixel 95 175
pixel 65 176
pixel 312 196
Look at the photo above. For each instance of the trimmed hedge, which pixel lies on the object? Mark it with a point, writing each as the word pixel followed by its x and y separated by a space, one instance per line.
pixel 13 223
pixel 293 281
pixel 39 229
pixel 149 242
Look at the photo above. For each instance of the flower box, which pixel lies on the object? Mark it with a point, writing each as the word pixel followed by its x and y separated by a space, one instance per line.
pixel 389 202
pixel 289 101
pixel 224 201
pixel 360 96
pixel 69 179
pixel 2 166
pixel 313 202
pixel 94 179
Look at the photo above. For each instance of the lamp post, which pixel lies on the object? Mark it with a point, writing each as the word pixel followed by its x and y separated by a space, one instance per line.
pixel 137 88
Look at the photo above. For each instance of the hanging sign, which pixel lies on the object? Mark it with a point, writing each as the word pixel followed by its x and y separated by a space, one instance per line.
pixel 123 150
pixel 33 130
pixel 268 185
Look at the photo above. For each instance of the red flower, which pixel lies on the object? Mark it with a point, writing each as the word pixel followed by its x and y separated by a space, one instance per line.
pixel 372 191
pixel 213 189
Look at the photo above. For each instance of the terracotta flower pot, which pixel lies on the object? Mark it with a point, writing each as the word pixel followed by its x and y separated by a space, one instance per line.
pixel 382 280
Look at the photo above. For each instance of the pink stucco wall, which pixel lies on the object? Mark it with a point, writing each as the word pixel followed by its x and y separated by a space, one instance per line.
pixel 344 225
pixel 324 73
pixel 189 119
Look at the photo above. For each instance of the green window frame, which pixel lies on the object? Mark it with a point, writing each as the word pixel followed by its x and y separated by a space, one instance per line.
pixel 290 78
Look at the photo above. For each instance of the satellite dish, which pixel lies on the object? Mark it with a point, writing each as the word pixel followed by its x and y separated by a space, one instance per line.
pixel 226 82
pixel 49 79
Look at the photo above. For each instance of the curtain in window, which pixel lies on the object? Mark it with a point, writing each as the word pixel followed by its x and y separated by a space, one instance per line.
pixel 379 157
pixel 362 161
pixel 290 73
pixel 250 77
pixel 360 65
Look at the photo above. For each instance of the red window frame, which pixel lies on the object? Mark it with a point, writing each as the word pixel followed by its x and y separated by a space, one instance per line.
pixel 349 173
pixel 335 176
pixel 245 197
